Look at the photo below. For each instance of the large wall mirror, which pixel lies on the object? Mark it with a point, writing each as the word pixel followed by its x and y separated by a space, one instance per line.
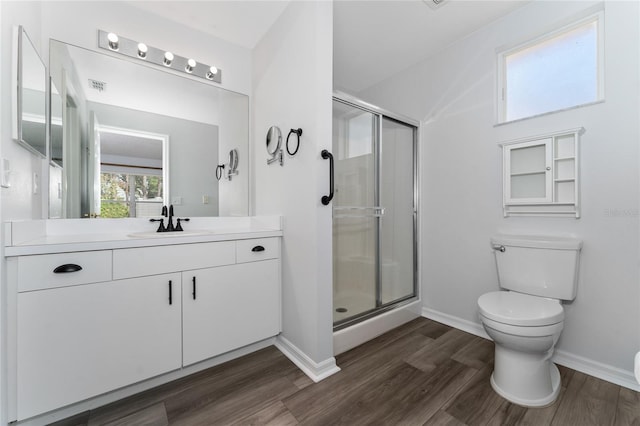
pixel 29 100
pixel 127 138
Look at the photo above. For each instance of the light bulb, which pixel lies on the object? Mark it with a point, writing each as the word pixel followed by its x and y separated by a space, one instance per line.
pixel 142 50
pixel 212 71
pixel 168 58
pixel 113 41
pixel 191 64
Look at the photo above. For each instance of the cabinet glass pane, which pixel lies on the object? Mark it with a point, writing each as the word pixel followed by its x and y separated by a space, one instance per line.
pixel 565 192
pixel 565 146
pixel 528 160
pixel 528 186
pixel 565 169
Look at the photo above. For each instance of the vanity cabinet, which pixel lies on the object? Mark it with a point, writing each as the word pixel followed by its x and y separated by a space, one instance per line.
pixel 132 314
pixel 227 307
pixel 80 341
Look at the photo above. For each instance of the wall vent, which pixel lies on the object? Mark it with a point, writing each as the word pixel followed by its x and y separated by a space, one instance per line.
pixel 435 4
pixel 100 86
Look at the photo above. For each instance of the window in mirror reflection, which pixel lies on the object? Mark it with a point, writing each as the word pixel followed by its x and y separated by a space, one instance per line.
pixel 130 195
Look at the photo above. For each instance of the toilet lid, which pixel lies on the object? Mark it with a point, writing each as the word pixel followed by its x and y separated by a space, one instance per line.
pixel 520 309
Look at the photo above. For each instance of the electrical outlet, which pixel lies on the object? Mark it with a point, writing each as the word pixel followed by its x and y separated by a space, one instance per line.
pixel 205 199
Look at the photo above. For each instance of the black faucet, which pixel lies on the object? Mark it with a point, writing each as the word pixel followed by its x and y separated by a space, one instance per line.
pixel 161 228
pixel 170 227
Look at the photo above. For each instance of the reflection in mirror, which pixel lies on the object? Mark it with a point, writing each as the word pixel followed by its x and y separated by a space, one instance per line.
pixel 149 138
pixel 233 163
pixel 29 102
pixel 56 126
pixel 274 141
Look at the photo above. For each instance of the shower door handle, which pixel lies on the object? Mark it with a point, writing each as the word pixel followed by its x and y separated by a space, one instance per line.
pixel 326 199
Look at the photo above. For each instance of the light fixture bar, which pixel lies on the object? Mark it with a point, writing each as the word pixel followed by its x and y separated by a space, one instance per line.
pixel 136 50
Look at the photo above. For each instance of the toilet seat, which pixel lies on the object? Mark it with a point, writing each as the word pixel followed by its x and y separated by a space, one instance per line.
pixel 518 309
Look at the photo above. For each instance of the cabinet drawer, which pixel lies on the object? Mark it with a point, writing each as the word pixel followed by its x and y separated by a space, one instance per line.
pixel 37 272
pixel 138 262
pixel 257 249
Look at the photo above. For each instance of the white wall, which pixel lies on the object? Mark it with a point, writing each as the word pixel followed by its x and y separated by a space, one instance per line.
pixel 20 202
pixel 453 93
pixel 292 88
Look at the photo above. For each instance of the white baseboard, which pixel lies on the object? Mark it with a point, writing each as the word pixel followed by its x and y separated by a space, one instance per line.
pixel 596 369
pixel 584 365
pixel 456 322
pixel 315 371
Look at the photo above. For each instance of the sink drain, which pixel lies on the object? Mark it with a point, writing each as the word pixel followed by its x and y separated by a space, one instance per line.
pixel 341 310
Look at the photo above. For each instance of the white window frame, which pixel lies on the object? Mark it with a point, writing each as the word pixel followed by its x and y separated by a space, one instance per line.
pixel 502 53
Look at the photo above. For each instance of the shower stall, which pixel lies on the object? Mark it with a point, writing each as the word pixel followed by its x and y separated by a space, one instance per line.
pixel 374 211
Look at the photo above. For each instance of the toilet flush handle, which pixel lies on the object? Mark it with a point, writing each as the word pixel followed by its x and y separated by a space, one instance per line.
pixel 501 249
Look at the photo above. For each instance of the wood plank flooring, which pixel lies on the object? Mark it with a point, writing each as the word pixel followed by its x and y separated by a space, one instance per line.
pixel 422 373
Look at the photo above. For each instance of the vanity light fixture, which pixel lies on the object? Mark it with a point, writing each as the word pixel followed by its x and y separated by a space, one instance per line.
pixel 168 59
pixel 160 57
pixel 191 64
pixel 113 41
pixel 142 50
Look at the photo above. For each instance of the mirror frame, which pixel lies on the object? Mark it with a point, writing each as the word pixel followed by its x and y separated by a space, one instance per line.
pixel 19 36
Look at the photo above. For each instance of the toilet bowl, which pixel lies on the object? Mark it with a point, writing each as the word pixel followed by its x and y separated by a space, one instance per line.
pixel 525 330
pixel 526 317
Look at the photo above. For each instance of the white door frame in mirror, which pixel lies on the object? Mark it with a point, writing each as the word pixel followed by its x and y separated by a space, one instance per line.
pixel 165 152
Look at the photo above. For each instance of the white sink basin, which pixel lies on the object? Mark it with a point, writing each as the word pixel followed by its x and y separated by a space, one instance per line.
pixel 154 234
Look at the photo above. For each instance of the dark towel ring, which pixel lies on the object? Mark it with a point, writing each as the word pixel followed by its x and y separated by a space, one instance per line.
pixel 219 170
pixel 298 133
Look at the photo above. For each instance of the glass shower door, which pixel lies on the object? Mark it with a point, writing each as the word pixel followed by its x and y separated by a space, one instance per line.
pixel 373 212
pixel 397 196
pixel 355 227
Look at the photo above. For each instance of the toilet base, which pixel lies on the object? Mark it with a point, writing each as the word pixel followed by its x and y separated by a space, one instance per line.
pixel 538 402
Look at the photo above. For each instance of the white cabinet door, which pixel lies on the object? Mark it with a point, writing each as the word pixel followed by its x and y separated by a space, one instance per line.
pixel 528 172
pixel 78 342
pixel 229 307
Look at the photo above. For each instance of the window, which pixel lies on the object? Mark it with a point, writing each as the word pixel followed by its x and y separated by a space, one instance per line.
pixel 560 70
pixel 130 195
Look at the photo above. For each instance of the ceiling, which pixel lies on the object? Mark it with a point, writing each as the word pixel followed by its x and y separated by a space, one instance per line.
pixel 373 40
pixel 242 22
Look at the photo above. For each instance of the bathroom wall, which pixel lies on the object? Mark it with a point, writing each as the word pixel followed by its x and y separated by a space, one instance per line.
pixel 292 86
pixel 453 93
pixel 19 200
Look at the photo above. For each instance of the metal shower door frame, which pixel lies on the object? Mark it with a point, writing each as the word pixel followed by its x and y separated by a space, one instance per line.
pixel 380 114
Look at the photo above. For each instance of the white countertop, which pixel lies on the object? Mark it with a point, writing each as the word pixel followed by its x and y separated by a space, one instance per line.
pixel 47 236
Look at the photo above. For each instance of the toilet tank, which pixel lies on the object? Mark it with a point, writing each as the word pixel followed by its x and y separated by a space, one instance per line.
pixel 545 266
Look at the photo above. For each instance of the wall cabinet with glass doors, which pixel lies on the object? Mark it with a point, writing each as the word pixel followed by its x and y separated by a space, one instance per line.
pixel 540 175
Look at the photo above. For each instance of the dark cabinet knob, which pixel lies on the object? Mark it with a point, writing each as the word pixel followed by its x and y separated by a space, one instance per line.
pixel 257 249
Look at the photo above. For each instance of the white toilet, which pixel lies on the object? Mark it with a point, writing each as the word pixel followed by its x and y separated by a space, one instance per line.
pixel 525 322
